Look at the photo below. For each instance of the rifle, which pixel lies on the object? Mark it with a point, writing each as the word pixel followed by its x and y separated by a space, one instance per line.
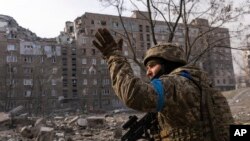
pixel 142 129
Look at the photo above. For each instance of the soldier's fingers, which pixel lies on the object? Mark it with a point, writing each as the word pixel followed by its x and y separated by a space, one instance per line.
pixel 107 36
pixel 99 37
pixel 97 45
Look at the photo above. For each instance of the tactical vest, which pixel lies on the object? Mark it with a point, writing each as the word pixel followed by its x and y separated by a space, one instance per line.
pixel 215 118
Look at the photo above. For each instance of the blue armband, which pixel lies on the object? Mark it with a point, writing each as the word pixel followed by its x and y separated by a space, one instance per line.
pixel 158 86
pixel 186 74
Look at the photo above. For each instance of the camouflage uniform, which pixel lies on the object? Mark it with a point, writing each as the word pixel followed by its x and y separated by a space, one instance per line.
pixel 193 111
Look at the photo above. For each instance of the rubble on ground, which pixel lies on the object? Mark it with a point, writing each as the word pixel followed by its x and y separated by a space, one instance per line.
pixel 239 104
pixel 17 126
pixel 85 127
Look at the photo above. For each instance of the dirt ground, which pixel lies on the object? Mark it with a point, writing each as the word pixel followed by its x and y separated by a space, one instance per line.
pixel 98 127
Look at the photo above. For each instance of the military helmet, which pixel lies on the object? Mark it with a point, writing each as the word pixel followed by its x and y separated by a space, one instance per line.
pixel 168 51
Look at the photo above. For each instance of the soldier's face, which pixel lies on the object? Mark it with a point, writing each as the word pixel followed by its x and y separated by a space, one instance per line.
pixel 153 69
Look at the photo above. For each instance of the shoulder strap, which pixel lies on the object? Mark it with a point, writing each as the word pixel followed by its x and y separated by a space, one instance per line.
pixel 187 75
pixel 158 86
pixel 205 105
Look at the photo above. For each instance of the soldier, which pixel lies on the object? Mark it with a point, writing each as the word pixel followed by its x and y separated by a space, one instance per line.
pixel 188 108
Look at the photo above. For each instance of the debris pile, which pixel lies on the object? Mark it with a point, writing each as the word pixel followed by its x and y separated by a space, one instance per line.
pixel 18 126
pixel 66 128
pixel 240 106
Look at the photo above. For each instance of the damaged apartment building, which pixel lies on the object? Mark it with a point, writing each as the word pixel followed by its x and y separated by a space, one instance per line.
pixel 217 61
pixel 30 69
pixel 244 80
pixel 93 83
pixel 47 75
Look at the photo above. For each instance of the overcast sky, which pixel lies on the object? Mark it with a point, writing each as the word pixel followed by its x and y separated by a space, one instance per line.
pixel 47 18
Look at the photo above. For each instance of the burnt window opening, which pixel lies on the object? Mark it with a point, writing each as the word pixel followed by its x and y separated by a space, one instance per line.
pixel 147 28
pixel 84 51
pixel 103 23
pixel 148 37
pixel 141 37
pixel 140 28
pixel 93 52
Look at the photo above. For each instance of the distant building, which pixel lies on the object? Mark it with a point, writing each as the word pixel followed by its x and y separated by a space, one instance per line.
pixel 30 73
pixel 38 72
pixel 218 60
pixel 247 59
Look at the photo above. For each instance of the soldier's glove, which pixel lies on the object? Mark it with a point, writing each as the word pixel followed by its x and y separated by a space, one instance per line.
pixel 106 43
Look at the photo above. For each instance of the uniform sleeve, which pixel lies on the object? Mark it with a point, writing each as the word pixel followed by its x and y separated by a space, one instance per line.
pixel 133 91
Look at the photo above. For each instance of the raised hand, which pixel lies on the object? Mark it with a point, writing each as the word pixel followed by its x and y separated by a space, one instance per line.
pixel 106 43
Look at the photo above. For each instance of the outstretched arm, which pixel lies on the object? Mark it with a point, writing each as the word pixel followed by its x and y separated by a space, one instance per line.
pixel 134 92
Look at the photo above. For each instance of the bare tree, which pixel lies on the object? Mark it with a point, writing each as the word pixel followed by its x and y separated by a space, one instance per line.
pixel 119 5
pixel 9 84
pixel 40 74
pixel 182 15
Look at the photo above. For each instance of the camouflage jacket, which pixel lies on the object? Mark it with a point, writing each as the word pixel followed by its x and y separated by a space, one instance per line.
pixel 182 108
